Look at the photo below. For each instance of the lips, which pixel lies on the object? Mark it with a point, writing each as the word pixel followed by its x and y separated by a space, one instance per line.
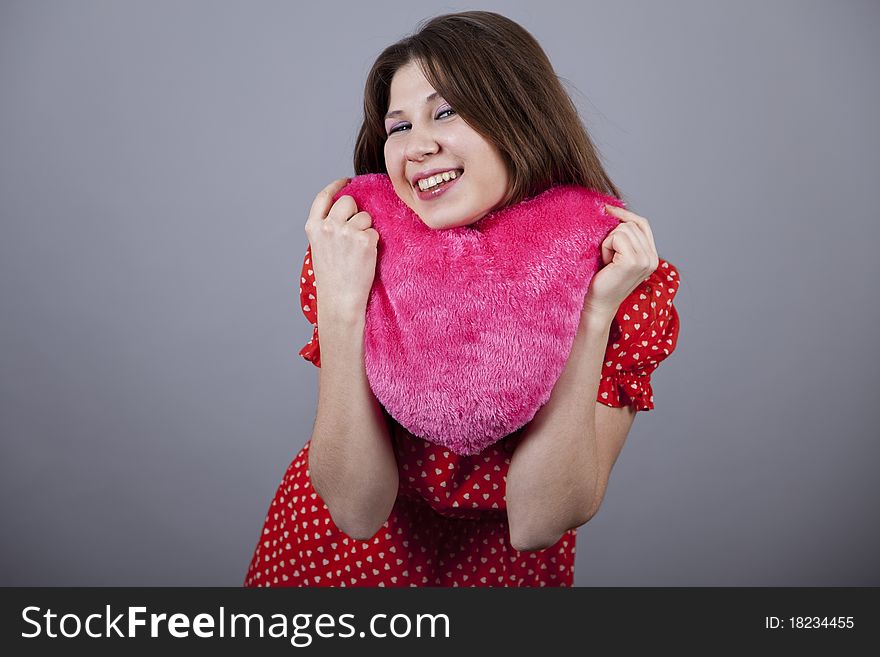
pixel 437 192
pixel 432 172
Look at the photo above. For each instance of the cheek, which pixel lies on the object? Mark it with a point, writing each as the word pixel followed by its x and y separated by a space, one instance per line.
pixel 486 159
pixel 395 166
pixel 394 161
pixel 498 170
pixel 390 149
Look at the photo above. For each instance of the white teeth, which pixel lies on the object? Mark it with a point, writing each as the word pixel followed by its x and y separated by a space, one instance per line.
pixel 432 181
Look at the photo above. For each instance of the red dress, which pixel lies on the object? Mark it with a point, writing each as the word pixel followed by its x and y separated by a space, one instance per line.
pixel 449 526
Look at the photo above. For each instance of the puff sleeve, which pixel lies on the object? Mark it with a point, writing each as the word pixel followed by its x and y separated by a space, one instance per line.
pixel 309 303
pixel 643 333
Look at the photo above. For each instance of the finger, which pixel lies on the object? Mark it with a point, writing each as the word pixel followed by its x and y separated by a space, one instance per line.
pixel 607 250
pixel 645 228
pixel 618 241
pixel 324 199
pixel 625 248
pixel 628 216
pixel 643 255
pixel 344 208
pixel 373 234
pixel 639 239
pixel 360 221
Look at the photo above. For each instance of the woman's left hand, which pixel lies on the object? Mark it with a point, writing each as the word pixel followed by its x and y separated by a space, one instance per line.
pixel 629 257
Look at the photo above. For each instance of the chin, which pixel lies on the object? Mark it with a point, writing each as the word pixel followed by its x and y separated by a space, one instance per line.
pixel 435 223
pixel 441 223
pixel 439 220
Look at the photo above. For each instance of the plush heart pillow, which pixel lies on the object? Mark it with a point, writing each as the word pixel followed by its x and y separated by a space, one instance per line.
pixel 468 329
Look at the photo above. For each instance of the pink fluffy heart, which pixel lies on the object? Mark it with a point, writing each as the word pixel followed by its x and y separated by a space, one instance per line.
pixel 468 329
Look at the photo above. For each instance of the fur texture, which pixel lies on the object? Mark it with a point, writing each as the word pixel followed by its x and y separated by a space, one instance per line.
pixel 468 329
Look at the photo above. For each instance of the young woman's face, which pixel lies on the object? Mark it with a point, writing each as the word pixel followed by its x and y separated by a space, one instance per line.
pixel 426 138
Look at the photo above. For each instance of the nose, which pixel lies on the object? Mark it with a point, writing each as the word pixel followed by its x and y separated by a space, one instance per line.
pixel 419 143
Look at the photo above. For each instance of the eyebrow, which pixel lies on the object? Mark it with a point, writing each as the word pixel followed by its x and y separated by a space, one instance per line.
pixel 394 113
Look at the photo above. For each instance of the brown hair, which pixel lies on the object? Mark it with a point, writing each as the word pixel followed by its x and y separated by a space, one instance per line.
pixel 500 81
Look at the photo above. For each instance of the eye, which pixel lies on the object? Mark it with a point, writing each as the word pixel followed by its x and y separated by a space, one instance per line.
pixel 445 110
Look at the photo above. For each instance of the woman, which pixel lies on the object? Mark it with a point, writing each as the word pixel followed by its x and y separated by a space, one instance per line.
pixel 365 503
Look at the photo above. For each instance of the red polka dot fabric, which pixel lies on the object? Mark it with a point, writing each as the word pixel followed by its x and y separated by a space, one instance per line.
pixel 449 526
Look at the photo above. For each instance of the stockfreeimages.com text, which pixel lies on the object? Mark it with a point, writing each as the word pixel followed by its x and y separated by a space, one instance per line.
pixel 221 625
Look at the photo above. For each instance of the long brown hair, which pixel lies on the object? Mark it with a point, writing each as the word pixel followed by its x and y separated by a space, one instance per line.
pixel 499 80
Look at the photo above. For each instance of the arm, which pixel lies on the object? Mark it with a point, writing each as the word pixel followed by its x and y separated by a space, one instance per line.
pixel 560 469
pixel 351 458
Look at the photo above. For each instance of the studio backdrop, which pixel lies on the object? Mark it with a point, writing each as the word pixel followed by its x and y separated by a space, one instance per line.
pixel 157 163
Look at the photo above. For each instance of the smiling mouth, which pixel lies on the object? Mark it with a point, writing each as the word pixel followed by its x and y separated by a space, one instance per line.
pixel 432 183
pixel 438 189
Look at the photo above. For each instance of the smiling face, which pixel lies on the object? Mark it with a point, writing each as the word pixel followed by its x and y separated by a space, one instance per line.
pixel 427 139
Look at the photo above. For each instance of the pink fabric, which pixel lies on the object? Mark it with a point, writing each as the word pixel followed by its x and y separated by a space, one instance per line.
pixel 468 329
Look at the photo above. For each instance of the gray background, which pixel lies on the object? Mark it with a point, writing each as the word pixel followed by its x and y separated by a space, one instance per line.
pixel 157 162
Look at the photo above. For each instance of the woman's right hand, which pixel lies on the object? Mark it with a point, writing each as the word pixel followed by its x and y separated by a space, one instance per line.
pixel 344 249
